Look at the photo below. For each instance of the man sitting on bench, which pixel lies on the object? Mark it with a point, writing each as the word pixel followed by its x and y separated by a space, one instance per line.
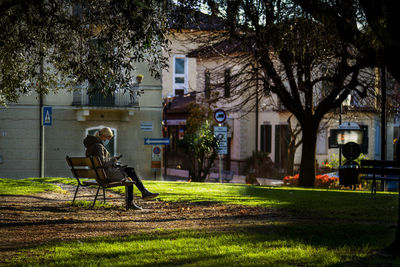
pixel 95 146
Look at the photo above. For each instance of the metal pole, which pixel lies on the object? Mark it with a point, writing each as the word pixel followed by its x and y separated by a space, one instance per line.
pixel 220 163
pixel 383 113
pixel 257 110
pixel 41 126
pixel 41 138
pixel 165 155
pixel 166 132
pixel 220 168
pixel 340 146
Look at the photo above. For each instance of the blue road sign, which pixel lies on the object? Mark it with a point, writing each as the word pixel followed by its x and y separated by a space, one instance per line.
pixel 47 116
pixel 156 141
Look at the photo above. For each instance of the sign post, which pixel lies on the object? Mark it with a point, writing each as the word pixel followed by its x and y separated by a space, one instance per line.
pixel 47 120
pixel 221 133
pixel 156 144
pixel 156 159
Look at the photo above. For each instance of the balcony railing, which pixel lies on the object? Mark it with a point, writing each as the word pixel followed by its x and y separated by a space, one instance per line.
pixel 119 98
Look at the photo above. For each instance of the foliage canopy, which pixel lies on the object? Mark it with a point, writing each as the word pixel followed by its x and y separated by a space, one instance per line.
pixel 48 44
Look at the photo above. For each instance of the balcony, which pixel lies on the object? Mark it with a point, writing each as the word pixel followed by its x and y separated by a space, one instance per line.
pixel 119 98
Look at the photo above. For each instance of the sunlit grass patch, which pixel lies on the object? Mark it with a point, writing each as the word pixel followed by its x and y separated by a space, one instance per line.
pixel 25 187
pixel 61 180
pixel 87 204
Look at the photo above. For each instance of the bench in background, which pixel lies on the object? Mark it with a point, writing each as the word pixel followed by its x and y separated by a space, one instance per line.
pixel 379 170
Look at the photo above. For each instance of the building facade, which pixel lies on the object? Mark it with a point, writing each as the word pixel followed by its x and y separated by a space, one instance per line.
pixel 75 115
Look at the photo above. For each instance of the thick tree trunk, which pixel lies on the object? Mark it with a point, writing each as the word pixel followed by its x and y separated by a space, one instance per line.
pixel 307 165
pixel 290 163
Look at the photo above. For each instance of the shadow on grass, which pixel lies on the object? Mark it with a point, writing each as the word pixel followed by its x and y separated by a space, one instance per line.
pixel 327 203
pixel 269 244
pixel 31 197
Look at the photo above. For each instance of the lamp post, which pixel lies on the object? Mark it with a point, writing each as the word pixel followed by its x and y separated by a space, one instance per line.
pixel 346 103
pixel 383 113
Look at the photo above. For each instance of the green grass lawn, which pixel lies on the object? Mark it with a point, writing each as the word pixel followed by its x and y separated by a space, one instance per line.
pixel 325 228
pixel 25 186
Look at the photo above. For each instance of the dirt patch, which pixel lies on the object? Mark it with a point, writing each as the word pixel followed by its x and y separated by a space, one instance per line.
pixel 29 221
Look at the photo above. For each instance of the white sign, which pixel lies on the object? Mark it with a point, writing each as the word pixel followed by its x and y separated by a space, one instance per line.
pixel 146 126
pixel 156 141
pixel 221 132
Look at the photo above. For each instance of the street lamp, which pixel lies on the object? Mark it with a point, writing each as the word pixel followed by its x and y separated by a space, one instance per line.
pixel 346 103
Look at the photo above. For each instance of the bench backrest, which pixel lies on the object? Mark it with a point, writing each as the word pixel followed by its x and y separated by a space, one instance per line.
pixel 379 163
pixel 87 167
pixel 381 167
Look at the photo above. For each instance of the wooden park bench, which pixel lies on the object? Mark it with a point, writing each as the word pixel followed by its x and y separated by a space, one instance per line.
pixel 379 170
pixel 90 167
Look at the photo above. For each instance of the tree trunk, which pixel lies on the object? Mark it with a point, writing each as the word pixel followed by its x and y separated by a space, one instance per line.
pixel 307 165
pixel 290 163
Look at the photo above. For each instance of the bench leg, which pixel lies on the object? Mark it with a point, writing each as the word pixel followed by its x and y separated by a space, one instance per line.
pixel 104 195
pixel 76 191
pixel 373 189
pixel 126 198
pixel 95 198
pixel 129 199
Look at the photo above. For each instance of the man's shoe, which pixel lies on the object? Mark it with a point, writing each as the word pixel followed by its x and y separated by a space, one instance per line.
pixel 149 195
pixel 133 206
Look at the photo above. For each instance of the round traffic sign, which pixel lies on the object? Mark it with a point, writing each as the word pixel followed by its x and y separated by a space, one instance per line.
pixel 219 116
pixel 156 150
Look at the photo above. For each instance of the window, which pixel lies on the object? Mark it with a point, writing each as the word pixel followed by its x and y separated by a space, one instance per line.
pixel 266 138
pixel 180 75
pixel 281 145
pixel 112 145
pixel 364 146
pixel 321 143
pixel 227 83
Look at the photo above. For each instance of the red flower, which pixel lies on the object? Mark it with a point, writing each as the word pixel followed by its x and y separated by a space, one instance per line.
pixel 321 181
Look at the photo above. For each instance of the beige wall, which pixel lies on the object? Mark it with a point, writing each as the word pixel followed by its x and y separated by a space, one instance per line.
pixel 181 44
pixel 20 131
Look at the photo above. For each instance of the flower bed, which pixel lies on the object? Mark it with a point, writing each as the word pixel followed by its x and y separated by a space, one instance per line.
pixel 321 181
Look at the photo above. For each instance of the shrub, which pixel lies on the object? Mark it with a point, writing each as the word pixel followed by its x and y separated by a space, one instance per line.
pixel 321 181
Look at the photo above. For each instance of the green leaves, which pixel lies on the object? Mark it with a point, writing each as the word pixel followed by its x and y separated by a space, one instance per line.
pixel 76 42
pixel 199 141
